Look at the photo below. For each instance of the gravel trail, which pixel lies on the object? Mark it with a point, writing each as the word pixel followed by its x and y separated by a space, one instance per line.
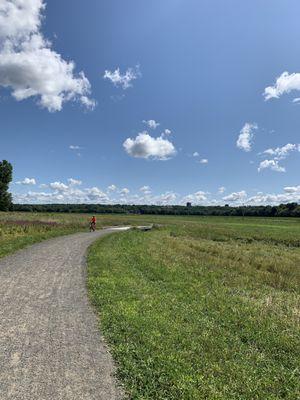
pixel 50 345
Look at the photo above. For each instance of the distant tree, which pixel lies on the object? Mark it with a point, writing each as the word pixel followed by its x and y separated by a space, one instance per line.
pixel 5 179
pixel 291 206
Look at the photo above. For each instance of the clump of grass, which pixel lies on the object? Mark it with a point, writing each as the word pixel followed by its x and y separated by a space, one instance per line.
pixel 193 315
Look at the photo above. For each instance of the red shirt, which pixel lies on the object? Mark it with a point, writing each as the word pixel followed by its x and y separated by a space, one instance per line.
pixel 93 220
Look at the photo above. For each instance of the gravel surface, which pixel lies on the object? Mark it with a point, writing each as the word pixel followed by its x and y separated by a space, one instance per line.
pixel 50 344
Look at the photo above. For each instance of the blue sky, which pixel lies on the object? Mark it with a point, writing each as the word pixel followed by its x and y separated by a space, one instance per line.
pixel 210 73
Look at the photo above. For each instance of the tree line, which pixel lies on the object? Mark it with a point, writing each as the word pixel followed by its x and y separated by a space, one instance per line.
pixel 282 210
pixel 6 173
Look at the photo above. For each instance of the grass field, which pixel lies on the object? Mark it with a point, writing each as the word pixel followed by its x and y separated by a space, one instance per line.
pixel 198 308
pixel 18 230
pixel 202 308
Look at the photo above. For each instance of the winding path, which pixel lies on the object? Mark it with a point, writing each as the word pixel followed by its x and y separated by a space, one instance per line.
pixel 50 345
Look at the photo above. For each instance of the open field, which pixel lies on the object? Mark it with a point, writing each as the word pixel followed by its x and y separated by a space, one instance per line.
pixel 198 308
pixel 202 308
pixel 19 229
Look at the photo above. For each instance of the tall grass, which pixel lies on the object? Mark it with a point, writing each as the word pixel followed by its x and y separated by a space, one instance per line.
pixel 18 230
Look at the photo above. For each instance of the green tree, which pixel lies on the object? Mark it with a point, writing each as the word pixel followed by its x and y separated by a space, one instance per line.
pixel 5 179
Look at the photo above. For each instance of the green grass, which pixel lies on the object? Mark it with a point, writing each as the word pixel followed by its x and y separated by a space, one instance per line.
pixel 202 308
pixel 20 229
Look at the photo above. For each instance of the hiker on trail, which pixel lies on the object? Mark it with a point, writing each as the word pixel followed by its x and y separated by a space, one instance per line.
pixel 93 224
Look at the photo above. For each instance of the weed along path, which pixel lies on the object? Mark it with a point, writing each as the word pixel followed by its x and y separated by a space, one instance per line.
pixel 50 345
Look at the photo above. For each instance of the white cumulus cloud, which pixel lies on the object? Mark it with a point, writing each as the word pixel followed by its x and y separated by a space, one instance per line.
pixel 29 67
pixel 27 181
pixel 285 83
pixel 59 186
pixel 74 182
pixel 292 189
pixel 123 80
pixel 166 198
pixel 271 164
pixel 246 135
pixel 94 194
pixel 236 196
pixel 146 146
pixel 59 192
pixel 282 152
pixel 195 198
pixel 20 18
pixel 203 161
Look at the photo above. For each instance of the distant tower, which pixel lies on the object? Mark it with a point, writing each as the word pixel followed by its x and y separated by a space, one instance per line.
pixel 189 205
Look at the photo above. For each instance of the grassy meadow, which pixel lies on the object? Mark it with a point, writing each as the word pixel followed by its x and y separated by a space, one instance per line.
pixel 202 308
pixel 19 229
pixel 197 308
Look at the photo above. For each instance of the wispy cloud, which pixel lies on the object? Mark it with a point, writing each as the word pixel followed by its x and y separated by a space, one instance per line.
pixel 151 123
pixel 74 147
pixel 123 80
pixel 145 190
pixel 112 188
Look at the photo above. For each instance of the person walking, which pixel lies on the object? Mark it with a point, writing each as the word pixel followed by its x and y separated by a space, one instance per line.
pixel 93 224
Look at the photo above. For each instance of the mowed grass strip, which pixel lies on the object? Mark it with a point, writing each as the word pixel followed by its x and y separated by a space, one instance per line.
pixel 194 318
